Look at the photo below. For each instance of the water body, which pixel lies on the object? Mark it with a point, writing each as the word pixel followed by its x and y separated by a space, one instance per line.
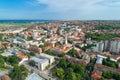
pixel 26 21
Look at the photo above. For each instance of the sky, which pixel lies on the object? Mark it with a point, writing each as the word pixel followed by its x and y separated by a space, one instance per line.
pixel 60 9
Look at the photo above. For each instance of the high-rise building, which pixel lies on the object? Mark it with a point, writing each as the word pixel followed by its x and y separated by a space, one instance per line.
pixel 112 46
pixel 115 45
pixel 34 34
pixel 66 41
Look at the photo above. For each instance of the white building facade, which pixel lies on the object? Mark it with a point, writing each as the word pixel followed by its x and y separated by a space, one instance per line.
pixel 50 58
pixel 40 63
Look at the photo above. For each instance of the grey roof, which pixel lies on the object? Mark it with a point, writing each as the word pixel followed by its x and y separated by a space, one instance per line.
pixel 38 60
pixel 34 76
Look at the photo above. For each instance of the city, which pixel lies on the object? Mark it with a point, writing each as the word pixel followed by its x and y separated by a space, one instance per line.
pixel 59 40
pixel 45 51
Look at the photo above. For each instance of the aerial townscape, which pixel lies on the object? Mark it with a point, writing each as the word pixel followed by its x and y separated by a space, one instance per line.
pixel 59 40
pixel 60 50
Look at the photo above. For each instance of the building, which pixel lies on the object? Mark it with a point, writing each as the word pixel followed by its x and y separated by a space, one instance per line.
pixel 9 52
pixel 40 63
pixel 5 77
pixel 99 47
pixel 34 49
pixel 99 60
pixel 96 75
pixel 115 45
pixel 112 45
pixel 34 34
pixel 66 41
pixel 50 58
pixel 101 57
pixel 34 76
pixel 22 58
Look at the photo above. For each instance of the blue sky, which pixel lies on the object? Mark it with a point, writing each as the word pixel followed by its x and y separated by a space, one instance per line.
pixel 60 9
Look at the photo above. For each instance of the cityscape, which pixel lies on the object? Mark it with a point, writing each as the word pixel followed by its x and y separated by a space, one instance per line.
pixel 57 46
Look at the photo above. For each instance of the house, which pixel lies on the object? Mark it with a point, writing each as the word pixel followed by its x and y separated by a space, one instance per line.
pixel 47 47
pixel 96 75
pixel 22 58
pixel 5 77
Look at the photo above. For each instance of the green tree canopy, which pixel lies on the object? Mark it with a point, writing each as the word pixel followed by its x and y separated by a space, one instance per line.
pixel 32 63
pixel 18 73
pixel 70 75
pixel 73 53
pixel 12 60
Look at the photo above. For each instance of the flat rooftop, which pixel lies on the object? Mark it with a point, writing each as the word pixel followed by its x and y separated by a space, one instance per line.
pixel 34 76
pixel 46 55
pixel 38 60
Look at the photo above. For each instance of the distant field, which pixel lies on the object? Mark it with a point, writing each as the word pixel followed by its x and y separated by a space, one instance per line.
pixel 5 25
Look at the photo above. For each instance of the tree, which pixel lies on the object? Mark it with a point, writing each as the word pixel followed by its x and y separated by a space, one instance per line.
pixel 30 38
pixel 107 27
pixel 18 73
pixel 73 53
pixel 49 52
pixel 32 53
pixel 78 76
pixel 71 70
pixel 12 60
pixel 99 37
pixel 107 75
pixel 1 62
pixel 57 43
pixel 79 69
pixel 116 76
pixel 32 63
pixel 62 63
pixel 60 73
pixel 110 63
pixel 41 46
pixel 24 71
pixel 102 78
pixel 70 75
pixel 1 37
pixel 72 65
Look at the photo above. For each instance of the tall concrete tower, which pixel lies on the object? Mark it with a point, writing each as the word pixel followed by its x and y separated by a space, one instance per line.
pixel 34 34
pixel 66 41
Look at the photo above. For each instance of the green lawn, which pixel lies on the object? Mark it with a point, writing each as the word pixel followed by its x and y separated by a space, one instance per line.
pixel 4 25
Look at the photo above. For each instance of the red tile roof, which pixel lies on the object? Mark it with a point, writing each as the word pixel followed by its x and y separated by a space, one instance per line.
pixel 96 75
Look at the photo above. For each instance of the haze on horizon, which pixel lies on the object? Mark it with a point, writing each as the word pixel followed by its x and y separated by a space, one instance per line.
pixel 60 9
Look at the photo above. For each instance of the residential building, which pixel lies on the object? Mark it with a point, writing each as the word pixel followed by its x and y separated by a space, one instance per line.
pixel 22 58
pixel 112 45
pixel 5 77
pixel 96 75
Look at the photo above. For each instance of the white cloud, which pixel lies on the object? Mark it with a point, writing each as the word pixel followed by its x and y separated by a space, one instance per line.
pixel 66 5
pixel 75 8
